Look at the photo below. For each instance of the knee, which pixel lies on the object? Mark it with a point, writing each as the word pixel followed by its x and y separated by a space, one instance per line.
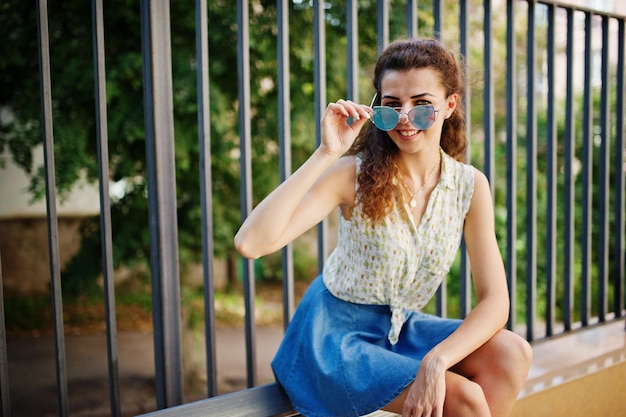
pixel 511 354
pixel 516 347
pixel 465 399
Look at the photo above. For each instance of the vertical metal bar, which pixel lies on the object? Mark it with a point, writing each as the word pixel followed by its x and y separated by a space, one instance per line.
pixel 382 24
pixel 511 162
pixel 442 292
pixel 441 301
pixel 531 179
pixel 551 172
pixel 411 18
pixel 568 189
pixel 284 139
pixel 466 283
pixel 619 252
pixel 319 44
pixel 603 179
pixel 51 205
pixel 206 195
pixel 488 100
pixel 438 18
pixel 5 398
pixel 587 173
pixel 464 40
pixel 352 34
pixel 245 138
pixel 466 286
pixel 105 206
pixel 159 122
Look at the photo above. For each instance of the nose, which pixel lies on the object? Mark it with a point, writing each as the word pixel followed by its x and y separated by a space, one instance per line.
pixel 403 117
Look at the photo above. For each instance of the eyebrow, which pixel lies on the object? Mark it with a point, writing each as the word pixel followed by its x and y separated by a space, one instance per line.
pixel 412 97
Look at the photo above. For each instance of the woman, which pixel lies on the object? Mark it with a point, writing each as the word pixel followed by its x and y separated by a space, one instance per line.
pixel 358 341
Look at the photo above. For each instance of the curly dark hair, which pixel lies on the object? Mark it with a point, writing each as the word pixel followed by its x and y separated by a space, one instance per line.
pixel 377 151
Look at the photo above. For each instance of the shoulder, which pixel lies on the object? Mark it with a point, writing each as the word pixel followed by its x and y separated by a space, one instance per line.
pixel 459 177
pixel 481 202
pixel 344 170
pixel 347 164
pixel 461 172
pixel 481 183
pixel 341 179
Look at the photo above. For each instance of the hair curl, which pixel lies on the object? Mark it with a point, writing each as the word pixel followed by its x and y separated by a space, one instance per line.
pixel 377 151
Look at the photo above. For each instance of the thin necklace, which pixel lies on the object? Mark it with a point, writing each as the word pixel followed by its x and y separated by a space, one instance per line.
pixel 412 194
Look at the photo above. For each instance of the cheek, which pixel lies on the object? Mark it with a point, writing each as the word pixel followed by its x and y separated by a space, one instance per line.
pixel 434 132
pixel 436 128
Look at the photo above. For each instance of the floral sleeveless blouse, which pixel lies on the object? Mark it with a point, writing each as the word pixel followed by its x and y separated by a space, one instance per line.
pixel 397 262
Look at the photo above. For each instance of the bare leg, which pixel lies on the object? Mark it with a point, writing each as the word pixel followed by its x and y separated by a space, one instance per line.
pixel 487 382
pixel 463 398
pixel 500 367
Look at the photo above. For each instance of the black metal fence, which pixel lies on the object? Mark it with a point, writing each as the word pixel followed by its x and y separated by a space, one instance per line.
pixel 563 132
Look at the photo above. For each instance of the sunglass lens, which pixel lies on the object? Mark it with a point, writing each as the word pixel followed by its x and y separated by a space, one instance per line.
pixel 422 117
pixel 385 118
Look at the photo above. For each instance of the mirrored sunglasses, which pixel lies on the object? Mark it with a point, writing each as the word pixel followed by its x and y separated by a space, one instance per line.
pixel 421 117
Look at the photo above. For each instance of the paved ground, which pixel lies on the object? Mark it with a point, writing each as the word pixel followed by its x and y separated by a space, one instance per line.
pixel 32 373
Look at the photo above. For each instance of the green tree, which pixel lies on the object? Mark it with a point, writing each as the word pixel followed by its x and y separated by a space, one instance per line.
pixel 74 115
pixel 74 119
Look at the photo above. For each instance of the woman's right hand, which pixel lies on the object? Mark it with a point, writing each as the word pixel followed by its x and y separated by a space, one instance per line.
pixel 337 135
pixel 427 393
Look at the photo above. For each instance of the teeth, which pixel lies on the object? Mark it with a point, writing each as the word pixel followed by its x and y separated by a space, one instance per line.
pixel 408 132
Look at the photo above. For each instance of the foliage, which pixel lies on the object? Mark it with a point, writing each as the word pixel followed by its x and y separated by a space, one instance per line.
pixel 75 124
pixel 74 116
pixel 27 313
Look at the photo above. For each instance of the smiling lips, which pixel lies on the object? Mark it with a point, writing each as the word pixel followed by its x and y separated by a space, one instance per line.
pixel 408 133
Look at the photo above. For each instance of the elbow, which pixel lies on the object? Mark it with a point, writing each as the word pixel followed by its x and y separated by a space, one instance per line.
pixel 499 307
pixel 243 246
pixel 505 311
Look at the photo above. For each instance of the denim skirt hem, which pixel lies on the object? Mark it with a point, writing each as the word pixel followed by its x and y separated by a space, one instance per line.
pixel 336 361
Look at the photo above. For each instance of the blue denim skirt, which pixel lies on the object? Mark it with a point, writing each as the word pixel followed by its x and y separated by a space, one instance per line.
pixel 335 359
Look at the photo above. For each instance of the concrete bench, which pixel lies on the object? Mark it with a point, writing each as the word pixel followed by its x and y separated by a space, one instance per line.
pixel 264 401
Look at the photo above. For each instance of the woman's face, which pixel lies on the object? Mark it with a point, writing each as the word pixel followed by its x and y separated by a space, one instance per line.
pixel 404 90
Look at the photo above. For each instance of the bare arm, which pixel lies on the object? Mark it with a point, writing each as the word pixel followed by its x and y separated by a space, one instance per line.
pixel 322 183
pixel 489 277
pixel 482 323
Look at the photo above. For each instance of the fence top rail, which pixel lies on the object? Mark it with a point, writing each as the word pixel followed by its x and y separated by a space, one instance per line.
pixel 617 10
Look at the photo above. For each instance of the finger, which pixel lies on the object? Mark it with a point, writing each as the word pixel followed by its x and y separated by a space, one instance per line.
pixel 358 123
pixel 413 411
pixel 337 109
pixel 407 411
pixel 356 111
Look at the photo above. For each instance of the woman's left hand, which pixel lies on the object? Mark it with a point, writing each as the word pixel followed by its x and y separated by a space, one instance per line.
pixel 427 393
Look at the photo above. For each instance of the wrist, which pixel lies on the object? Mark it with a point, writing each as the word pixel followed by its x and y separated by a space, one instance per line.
pixel 326 155
pixel 434 363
